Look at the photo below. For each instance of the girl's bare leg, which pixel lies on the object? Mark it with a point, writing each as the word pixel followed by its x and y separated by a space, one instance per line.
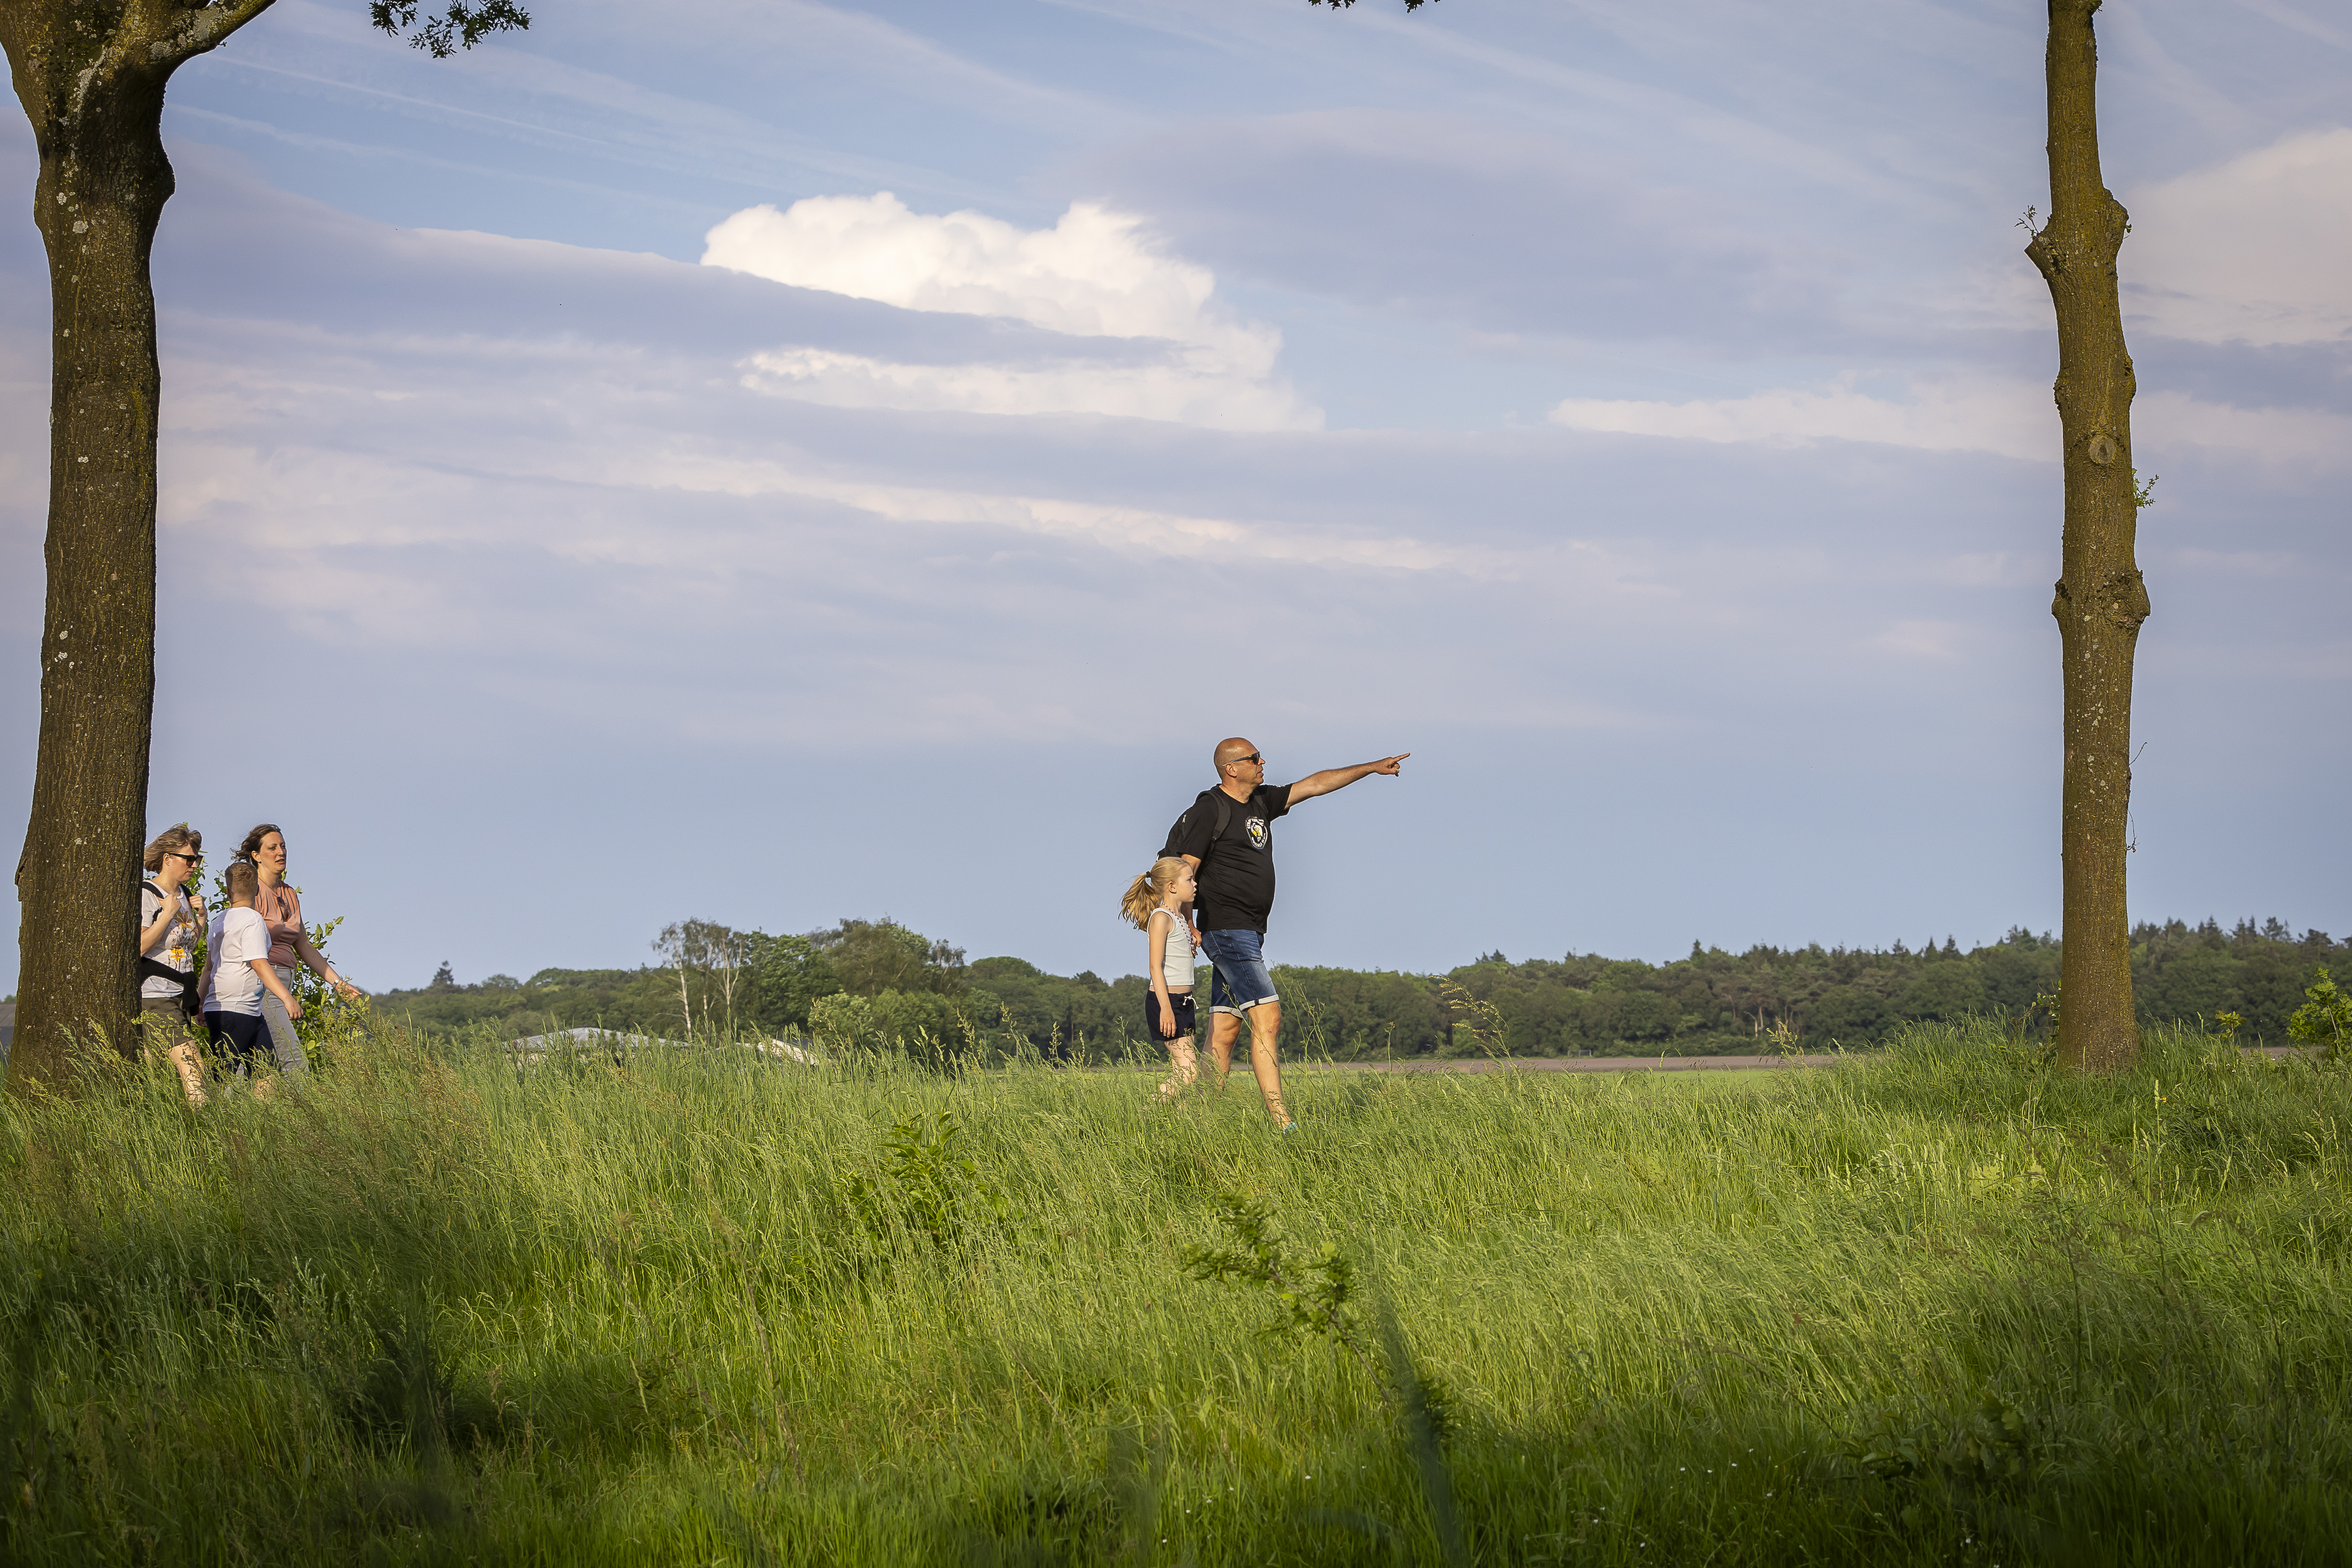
pixel 1188 1068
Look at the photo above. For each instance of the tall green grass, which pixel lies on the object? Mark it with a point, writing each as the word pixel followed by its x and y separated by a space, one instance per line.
pixel 1943 1307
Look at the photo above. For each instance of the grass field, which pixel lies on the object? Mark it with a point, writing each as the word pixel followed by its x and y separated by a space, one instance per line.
pixel 1943 1307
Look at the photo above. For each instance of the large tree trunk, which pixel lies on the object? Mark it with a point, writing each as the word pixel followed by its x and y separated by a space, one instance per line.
pixel 2101 599
pixel 91 78
pixel 103 183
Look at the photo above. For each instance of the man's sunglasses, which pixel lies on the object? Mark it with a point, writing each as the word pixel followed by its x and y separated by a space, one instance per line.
pixel 1253 757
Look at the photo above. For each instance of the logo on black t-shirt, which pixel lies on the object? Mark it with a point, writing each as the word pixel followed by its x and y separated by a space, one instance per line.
pixel 1257 832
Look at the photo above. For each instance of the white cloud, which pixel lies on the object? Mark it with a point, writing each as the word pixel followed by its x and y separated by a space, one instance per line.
pixel 2254 251
pixel 1094 275
pixel 1090 274
pixel 2011 417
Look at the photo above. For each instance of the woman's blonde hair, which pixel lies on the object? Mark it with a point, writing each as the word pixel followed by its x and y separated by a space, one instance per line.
pixel 1143 894
pixel 176 837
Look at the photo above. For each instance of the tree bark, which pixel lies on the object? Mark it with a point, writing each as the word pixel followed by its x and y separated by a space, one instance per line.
pixel 2101 599
pixel 91 78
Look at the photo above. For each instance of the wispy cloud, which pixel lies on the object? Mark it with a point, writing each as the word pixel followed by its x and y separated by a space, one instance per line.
pixel 2300 21
pixel 2257 251
pixel 2309 439
pixel 2012 418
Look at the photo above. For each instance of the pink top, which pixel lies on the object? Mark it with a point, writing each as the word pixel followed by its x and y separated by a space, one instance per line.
pixel 280 908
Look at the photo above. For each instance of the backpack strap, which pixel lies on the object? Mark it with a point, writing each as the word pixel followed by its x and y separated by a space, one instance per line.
pixel 1217 831
pixel 191 994
pixel 1224 819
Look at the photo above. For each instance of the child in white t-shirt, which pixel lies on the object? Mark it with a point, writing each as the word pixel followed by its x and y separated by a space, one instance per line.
pixel 239 973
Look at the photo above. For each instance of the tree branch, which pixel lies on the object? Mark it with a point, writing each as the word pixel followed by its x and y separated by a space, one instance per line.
pixel 205 28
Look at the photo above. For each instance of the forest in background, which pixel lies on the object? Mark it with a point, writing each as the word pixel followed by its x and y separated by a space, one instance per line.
pixel 876 981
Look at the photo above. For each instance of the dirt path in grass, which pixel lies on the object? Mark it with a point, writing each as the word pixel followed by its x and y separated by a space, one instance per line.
pixel 1579 1064
pixel 1631 1064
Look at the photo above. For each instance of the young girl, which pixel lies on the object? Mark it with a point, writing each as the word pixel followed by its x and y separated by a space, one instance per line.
pixel 1156 902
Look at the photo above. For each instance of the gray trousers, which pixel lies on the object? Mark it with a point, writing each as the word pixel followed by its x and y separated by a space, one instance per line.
pixel 283 1042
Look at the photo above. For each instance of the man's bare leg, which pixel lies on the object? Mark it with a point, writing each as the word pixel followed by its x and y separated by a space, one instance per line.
pixel 1266 1028
pixel 1223 1029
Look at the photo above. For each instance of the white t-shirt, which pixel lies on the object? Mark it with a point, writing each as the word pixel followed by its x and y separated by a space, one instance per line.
pixel 177 945
pixel 237 935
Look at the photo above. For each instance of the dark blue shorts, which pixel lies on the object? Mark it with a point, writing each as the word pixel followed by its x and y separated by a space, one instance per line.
pixel 1153 1018
pixel 239 1040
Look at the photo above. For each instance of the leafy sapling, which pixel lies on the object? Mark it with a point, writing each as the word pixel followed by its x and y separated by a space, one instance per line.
pixel 2325 1019
pixel 1313 1296
pixel 929 1186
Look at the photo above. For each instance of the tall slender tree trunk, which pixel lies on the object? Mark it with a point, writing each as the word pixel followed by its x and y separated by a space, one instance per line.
pixel 2101 599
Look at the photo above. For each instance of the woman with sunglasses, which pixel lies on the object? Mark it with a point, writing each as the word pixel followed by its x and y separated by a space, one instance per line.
pixel 170 916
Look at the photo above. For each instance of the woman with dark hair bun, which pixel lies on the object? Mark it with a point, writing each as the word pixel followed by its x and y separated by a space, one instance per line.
pixel 281 907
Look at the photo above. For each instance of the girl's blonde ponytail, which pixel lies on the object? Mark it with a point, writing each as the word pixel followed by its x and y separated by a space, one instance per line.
pixel 1143 894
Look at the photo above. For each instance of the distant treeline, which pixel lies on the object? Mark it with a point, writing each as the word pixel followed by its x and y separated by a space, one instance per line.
pixel 877 981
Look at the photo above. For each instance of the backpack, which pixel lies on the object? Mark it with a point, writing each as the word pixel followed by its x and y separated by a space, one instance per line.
pixel 192 998
pixel 1176 830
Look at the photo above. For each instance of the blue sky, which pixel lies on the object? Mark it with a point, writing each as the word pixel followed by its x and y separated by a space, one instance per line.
pixel 779 461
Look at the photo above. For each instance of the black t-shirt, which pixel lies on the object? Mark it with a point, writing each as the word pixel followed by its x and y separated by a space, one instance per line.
pixel 1237 879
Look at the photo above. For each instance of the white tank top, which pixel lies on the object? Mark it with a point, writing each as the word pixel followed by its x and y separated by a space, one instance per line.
pixel 1176 969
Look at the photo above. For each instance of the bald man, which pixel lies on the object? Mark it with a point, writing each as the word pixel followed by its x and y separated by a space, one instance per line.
pixel 1235 874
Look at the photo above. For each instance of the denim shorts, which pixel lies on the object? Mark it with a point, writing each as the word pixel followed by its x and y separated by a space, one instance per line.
pixel 1152 1017
pixel 1241 980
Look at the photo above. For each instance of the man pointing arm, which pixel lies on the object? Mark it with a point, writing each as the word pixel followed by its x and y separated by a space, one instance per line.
pixel 1236 873
pixel 1331 779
